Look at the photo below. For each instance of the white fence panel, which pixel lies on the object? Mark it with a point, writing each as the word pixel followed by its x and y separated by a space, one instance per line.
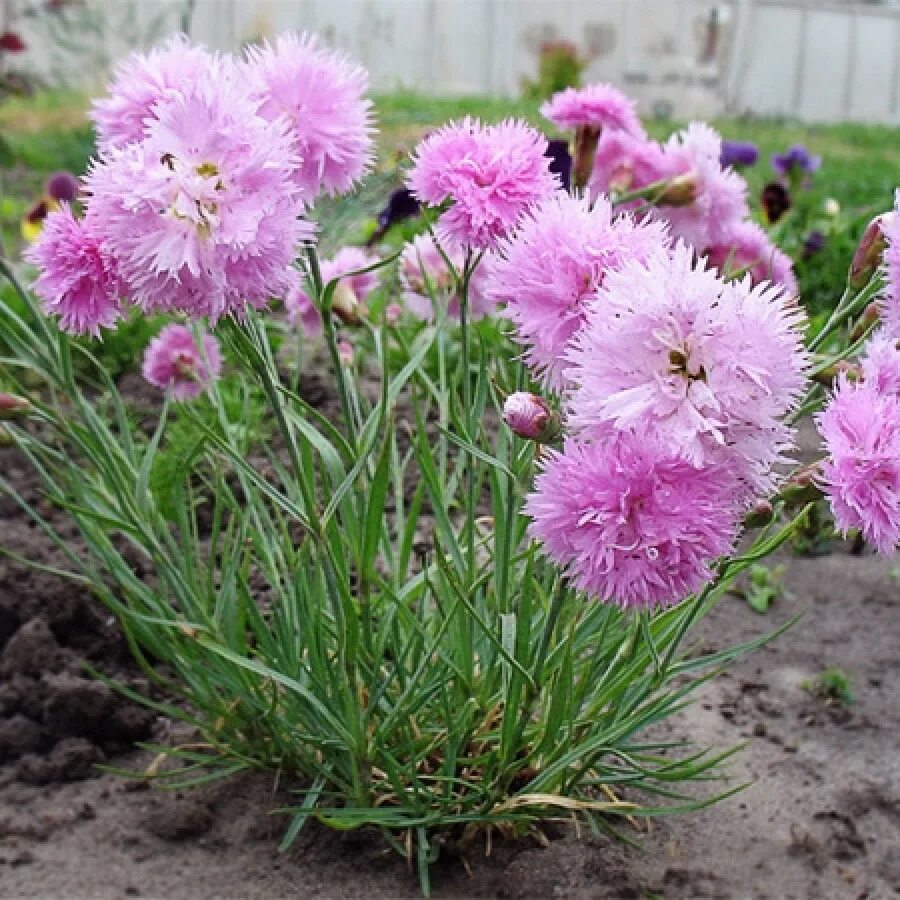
pixel 816 61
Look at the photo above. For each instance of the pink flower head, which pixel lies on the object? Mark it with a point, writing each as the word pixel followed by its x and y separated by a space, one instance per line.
pixel 747 247
pixel 203 215
pixel 720 195
pixel 861 429
pixel 595 106
pixel 709 367
pixel 530 417
pixel 423 272
pixel 322 95
pixel 173 360
pixel 891 304
pixel 144 79
pixel 623 162
pixel 881 363
pixel 492 173
pixel 78 281
pixel 632 523
pixel 546 273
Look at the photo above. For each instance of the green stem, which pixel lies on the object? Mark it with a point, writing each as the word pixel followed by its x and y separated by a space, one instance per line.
pixel 324 303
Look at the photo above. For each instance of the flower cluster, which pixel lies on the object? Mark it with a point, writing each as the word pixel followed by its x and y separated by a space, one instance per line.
pixel 677 386
pixel 690 186
pixel 196 202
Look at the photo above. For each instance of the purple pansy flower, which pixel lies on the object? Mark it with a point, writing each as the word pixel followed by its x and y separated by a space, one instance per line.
pixel 738 153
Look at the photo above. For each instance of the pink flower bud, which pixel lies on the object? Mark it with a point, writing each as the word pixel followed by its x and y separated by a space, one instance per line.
pixel 586 139
pixel 345 352
pixel 680 191
pixel 870 317
pixel 392 313
pixel 529 416
pixel 759 514
pixel 867 259
pixel 346 305
pixel 14 407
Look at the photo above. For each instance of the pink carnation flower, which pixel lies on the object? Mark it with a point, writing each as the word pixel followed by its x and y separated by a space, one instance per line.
pixel 144 79
pixel 546 273
pixel 631 522
pixel 861 429
pixel 720 200
pixel 747 247
pixel 595 106
pixel 173 360
pixel 881 363
pixel 352 290
pixel 492 173
pixel 891 306
pixel 203 215
pixel 709 367
pixel 78 281
pixel 424 271
pixel 322 95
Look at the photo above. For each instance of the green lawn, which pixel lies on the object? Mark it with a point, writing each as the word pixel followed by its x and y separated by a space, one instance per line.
pixel 861 164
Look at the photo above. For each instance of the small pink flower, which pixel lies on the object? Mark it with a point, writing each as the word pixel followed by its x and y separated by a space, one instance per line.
pixel 632 522
pixel 491 173
pixel 861 429
pixel 78 280
pixel 594 106
pixel 529 416
pixel 392 313
pixel 174 361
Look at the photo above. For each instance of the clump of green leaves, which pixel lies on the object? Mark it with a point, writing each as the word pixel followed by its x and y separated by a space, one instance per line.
pixel 761 586
pixel 354 602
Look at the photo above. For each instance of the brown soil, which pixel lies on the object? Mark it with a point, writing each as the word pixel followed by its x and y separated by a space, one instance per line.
pixel 819 820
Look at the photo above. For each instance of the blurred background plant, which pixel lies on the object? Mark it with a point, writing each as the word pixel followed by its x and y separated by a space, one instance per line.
pixel 560 65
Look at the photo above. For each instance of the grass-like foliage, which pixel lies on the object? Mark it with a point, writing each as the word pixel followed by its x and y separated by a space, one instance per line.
pixel 356 605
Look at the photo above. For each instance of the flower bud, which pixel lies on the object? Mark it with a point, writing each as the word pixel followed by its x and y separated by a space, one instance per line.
pixel 867 259
pixel 345 352
pixel 867 320
pixel 6 439
pixel 586 138
pixel 346 305
pixel 759 514
pixel 828 375
pixel 680 191
pixel 392 313
pixel 801 487
pixel 529 416
pixel 14 407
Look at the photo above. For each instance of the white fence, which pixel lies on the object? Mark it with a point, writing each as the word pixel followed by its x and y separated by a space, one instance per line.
pixel 815 61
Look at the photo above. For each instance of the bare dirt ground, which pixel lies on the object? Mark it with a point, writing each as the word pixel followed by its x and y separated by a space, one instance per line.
pixel 821 818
